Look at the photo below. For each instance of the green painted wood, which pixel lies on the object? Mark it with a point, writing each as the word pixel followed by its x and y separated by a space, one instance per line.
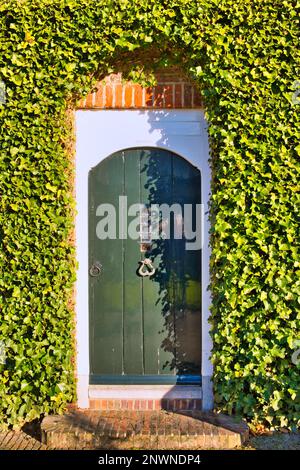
pixel 155 379
pixel 156 184
pixel 150 327
pixel 106 290
pixel 186 265
pixel 133 322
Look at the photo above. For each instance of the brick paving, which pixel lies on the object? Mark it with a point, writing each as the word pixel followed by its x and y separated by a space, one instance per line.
pixel 19 440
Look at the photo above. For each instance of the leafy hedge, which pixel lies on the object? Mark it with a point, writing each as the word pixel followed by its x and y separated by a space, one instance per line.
pixel 245 56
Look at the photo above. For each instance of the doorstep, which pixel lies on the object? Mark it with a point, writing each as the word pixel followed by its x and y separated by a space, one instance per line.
pixel 145 397
pixel 125 429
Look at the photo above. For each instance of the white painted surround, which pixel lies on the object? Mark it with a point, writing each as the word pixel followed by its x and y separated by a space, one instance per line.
pixel 100 133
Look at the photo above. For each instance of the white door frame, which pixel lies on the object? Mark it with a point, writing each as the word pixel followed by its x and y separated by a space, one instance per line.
pixel 100 133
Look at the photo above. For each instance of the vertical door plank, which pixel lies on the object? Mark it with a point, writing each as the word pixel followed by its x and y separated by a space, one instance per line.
pixel 133 329
pixel 156 183
pixel 187 274
pixel 106 290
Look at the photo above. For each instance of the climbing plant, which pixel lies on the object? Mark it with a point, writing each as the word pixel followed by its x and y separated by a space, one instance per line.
pixel 244 54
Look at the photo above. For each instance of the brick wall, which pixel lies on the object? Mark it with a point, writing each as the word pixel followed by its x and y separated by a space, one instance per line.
pixel 173 90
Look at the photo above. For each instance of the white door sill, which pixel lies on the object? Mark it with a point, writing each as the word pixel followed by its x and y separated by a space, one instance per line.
pixel 146 392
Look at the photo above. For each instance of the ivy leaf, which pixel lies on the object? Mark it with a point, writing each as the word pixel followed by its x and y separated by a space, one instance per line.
pixel 71 66
pixel 16 79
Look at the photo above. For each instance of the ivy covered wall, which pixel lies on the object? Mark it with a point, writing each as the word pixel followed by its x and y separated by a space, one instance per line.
pixel 244 54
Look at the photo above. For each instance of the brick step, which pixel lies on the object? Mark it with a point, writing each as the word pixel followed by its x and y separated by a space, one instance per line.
pixel 87 429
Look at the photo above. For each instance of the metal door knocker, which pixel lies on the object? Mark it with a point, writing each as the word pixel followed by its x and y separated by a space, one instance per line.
pixel 96 269
pixel 146 268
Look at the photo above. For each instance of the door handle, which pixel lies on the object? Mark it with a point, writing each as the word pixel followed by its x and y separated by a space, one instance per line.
pixel 146 268
pixel 96 269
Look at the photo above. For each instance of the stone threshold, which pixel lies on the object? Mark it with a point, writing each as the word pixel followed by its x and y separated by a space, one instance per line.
pixel 150 392
pixel 125 429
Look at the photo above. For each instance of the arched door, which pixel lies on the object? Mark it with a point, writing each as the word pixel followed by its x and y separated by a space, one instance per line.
pixel 145 319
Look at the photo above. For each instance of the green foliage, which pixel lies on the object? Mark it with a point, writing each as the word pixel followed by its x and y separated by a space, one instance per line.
pixel 245 56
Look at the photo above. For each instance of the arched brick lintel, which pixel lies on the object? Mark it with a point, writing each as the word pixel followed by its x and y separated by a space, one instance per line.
pixel 172 91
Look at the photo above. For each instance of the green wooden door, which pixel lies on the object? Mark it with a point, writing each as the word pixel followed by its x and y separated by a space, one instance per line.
pixel 143 329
